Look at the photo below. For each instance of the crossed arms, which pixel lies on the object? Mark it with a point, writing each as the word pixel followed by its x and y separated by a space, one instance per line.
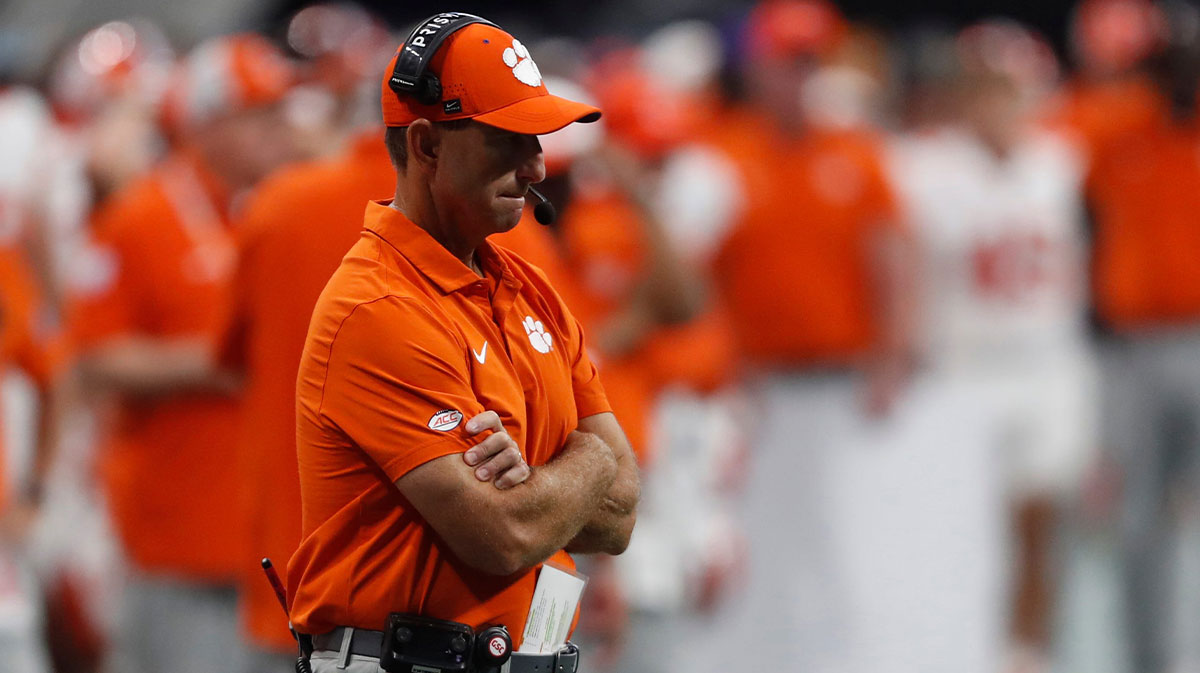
pixel 393 356
pixel 501 516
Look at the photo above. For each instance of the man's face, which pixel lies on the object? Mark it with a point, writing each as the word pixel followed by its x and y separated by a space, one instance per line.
pixel 482 176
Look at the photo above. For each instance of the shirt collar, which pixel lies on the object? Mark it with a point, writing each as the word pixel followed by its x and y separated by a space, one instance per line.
pixel 446 271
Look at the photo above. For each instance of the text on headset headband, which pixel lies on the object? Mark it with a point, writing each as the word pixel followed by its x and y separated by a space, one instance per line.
pixel 409 76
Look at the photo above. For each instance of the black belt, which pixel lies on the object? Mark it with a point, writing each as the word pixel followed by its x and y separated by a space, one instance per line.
pixel 368 643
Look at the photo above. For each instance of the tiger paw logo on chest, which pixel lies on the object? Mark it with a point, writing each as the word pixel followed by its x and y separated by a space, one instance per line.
pixel 523 68
pixel 538 336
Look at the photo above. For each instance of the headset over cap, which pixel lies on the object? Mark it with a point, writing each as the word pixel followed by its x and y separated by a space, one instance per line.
pixel 480 72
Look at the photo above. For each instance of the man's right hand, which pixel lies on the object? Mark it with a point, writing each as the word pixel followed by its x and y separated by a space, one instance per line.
pixel 497 458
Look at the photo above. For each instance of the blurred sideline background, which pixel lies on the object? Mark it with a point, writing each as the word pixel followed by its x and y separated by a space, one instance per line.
pixel 898 304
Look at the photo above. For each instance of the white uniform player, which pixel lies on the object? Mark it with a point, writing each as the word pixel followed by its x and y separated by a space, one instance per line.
pixel 1004 406
pixel 1003 306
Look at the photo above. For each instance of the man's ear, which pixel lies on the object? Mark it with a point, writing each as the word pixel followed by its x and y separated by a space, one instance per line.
pixel 423 144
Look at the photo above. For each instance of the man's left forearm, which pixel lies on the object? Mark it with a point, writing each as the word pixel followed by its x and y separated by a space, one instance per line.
pixel 609 529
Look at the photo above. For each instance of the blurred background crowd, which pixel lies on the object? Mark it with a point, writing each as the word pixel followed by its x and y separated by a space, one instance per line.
pixel 902 318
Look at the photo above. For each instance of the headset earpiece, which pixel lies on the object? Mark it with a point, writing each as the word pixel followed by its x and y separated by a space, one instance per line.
pixel 429 90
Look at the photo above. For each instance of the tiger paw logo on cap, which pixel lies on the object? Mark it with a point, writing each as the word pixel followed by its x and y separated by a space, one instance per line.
pixel 523 68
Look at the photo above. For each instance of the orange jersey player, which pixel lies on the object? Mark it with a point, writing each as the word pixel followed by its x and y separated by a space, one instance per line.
pixel 796 270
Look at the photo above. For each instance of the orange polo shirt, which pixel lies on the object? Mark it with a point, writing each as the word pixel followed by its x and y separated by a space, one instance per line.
pixel 405 345
pixel 1101 113
pixel 163 257
pixel 795 272
pixel 296 227
pixel 1144 191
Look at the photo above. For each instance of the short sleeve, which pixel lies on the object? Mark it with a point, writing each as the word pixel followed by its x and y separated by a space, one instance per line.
pixel 398 386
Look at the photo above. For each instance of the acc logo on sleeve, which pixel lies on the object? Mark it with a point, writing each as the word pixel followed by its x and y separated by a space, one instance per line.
pixel 445 420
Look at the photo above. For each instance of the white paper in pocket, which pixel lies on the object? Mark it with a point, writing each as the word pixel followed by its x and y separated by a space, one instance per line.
pixel 552 610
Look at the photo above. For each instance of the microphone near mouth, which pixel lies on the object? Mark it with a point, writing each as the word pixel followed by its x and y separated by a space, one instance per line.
pixel 544 211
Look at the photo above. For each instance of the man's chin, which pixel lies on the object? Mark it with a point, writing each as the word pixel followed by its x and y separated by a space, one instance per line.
pixel 507 221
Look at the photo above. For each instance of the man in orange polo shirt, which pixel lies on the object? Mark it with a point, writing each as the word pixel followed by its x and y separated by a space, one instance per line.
pixel 812 266
pixel 148 321
pixel 453 435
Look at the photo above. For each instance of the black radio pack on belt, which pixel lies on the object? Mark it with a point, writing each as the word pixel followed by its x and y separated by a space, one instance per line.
pixel 411 76
pixel 415 644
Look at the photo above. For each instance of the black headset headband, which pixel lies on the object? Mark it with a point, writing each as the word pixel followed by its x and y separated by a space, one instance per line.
pixel 422 44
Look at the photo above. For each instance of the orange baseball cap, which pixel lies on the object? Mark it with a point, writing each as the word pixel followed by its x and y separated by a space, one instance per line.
pixel 489 76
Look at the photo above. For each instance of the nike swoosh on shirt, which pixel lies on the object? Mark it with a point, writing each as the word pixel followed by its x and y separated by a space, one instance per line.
pixel 481 354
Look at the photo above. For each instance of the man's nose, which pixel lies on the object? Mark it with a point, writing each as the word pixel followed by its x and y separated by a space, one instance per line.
pixel 533 167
